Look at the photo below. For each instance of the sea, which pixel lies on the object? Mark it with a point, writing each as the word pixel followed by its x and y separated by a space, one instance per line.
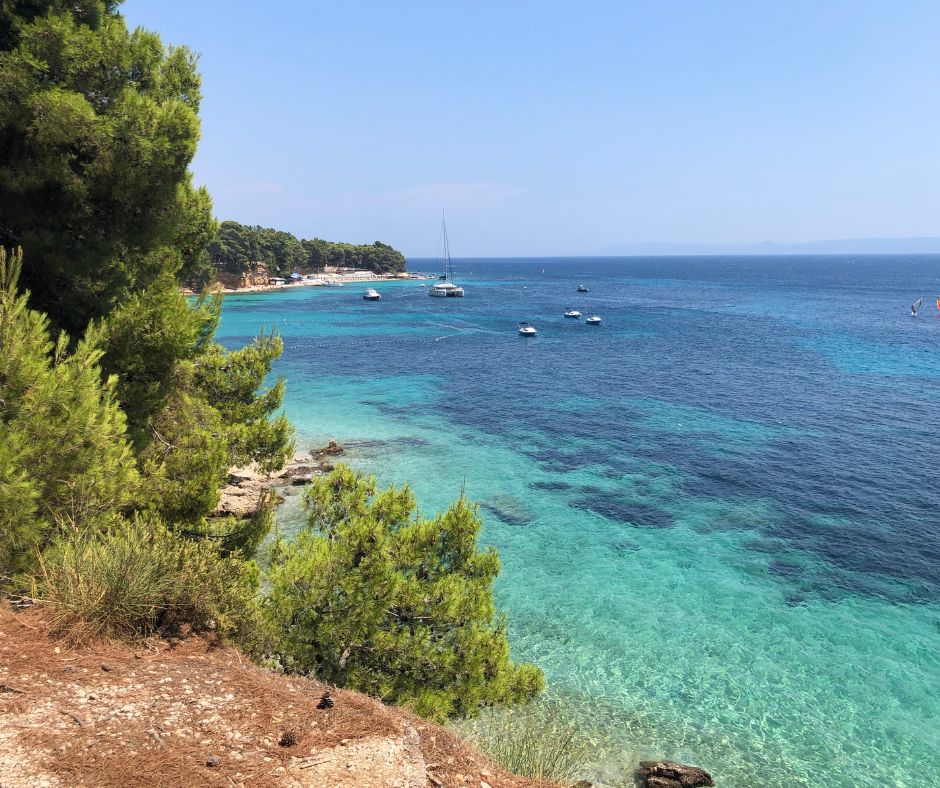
pixel 718 512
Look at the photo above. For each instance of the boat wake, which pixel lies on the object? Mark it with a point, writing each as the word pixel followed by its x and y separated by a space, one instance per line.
pixel 460 329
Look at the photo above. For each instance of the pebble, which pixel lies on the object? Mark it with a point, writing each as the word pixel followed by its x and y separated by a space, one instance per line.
pixel 213 761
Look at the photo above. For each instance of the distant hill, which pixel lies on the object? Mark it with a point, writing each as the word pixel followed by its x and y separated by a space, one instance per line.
pixel 924 245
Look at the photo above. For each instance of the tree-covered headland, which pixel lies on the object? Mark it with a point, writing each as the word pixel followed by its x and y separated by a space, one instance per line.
pixel 238 247
pixel 121 415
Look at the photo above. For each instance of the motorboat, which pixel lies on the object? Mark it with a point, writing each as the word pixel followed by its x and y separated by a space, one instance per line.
pixel 593 320
pixel 526 330
pixel 371 295
pixel 445 288
pixel 574 314
pixel 582 289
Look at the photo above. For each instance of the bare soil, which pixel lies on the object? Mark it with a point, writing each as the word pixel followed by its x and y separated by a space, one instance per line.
pixel 190 713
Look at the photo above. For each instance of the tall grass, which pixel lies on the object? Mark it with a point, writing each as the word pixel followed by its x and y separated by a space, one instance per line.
pixel 140 578
pixel 534 741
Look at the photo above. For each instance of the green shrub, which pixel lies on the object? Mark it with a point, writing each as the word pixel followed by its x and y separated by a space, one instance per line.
pixel 372 597
pixel 139 578
pixel 64 458
pixel 534 741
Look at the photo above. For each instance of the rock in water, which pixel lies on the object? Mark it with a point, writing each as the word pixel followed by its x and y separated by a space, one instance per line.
pixel 332 448
pixel 668 774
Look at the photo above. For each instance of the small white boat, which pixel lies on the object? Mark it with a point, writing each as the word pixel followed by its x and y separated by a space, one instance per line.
pixel 593 320
pixel 526 330
pixel 572 313
pixel 582 289
pixel 371 295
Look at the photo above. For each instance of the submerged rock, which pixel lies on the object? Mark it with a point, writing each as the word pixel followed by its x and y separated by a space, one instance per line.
pixel 508 509
pixel 668 774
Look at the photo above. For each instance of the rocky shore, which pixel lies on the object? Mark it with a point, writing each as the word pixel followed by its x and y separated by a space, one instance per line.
pixel 248 488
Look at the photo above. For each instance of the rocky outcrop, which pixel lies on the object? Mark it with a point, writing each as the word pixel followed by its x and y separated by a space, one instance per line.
pixel 667 774
pixel 244 493
pixel 248 488
pixel 323 456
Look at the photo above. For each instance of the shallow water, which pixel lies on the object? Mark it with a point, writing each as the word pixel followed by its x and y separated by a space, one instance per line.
pixel 717 512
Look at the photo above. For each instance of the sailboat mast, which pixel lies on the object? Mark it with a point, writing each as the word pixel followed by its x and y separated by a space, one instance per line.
pixel 447 266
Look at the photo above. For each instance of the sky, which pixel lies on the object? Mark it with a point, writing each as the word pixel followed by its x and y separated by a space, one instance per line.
pixel 554 128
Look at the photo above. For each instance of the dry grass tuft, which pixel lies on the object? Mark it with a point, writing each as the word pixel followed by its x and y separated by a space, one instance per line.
pixel 535 741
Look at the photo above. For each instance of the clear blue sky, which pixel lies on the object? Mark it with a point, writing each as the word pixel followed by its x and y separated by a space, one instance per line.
pixel 566 127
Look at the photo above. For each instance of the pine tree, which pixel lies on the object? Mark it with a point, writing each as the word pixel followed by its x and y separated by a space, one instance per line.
pixel 65 462
pixel 373 597
pixel 98 126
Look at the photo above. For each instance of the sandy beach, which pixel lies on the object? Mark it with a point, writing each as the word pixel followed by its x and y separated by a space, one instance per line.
pixel 327 280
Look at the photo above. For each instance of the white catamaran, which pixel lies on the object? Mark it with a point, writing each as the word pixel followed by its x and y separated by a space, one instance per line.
pixel 445 288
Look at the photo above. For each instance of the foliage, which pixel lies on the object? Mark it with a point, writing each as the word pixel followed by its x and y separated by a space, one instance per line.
pixel 231 382
pixel 238 536
pixel 141 578
pixel 372 597
pixel 194 409
pixel 64 458
pixel 185 464
pixel 377 256
pixel 146 337
pixel 535 742
pixel 98 126
pixel 213 418
pixel 238 247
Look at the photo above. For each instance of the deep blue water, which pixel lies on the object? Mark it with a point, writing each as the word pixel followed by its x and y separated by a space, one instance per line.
pixel 718 512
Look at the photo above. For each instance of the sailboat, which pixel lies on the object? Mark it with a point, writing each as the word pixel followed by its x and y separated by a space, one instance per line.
pixel 444 288
pixel 917 305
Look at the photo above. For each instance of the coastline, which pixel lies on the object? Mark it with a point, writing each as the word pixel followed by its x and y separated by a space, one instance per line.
pixel 327 280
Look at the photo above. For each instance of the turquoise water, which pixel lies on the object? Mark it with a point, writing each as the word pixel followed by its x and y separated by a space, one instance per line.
pixel 717 512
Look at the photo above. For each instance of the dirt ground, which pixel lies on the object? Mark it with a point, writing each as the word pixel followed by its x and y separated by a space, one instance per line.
pixel 188 713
